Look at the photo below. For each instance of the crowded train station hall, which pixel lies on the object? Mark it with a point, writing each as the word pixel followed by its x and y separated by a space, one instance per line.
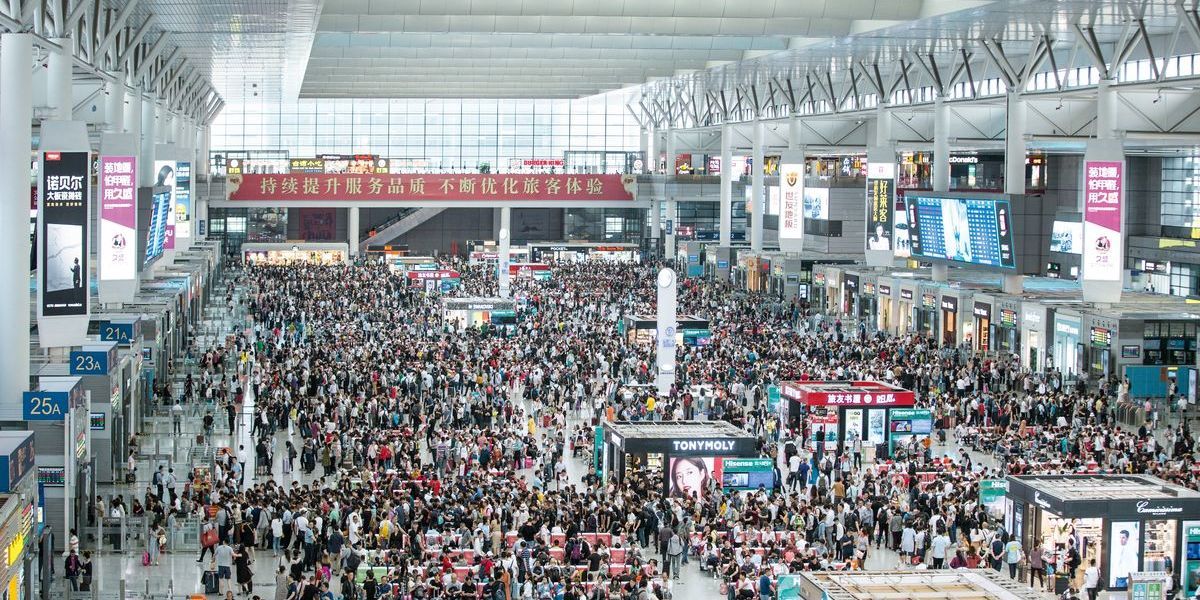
pixel 584 300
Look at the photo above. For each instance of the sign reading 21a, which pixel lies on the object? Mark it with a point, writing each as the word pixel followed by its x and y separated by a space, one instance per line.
pixel 45 406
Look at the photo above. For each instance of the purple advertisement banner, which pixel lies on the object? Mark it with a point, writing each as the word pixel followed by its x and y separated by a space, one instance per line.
pixel 1103 248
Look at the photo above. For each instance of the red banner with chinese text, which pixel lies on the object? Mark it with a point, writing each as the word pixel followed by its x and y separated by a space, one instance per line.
pixel 416 188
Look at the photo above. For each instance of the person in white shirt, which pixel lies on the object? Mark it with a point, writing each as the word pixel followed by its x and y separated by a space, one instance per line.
pixel 1091 580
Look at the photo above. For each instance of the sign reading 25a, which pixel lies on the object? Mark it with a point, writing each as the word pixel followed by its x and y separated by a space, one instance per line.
pixel 45 406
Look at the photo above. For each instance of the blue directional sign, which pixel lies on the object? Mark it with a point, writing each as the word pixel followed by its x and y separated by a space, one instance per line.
pixel 89 362
pixel 45 406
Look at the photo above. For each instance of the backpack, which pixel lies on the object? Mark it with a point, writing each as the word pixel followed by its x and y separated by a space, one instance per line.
pixel 158 478
pixel 576 552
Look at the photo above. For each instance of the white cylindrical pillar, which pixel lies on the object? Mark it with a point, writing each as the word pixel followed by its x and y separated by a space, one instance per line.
pixel 502 261
pixel 16 140
pixel 133 120
pixel 883 125
pixel 645 148
pixel 672 225
pixel 1014 146
pixel 352 229
pixel 1014 168
pixel 756 189
pixel 671 156
pixel 202 149
pixel 114 107
pixel 941 146
pixel 725 227
pixel 1106 110
pixel 58 82
pixel 147 155
pixel 666 290
pixel 652 150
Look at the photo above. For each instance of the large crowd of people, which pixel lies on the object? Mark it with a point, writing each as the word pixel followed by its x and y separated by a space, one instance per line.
pixel 395 453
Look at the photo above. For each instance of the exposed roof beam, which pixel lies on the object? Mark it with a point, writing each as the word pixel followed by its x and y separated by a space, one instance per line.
pixel 115 27
pixel 133 43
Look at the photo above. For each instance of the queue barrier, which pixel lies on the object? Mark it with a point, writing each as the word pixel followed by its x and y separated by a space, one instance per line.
pixel 120 534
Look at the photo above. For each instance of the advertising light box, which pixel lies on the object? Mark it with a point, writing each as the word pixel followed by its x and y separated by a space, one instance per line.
pixel 118 218
pixel 166 177
pixel 64 234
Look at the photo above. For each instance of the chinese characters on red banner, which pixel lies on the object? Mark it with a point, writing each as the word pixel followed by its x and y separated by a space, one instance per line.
pixel 408 188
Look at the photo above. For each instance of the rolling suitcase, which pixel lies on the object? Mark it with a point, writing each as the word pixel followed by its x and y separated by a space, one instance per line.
pixel 209 579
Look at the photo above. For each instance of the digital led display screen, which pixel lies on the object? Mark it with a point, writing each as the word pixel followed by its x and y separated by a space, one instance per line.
pixel 967 230
pixel 1067 237
pixel 156 232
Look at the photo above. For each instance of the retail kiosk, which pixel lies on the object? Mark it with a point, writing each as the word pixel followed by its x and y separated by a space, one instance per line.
pixel 690 330
pixel 1128 523
pixel 685 455
pixel 959 584
pixel 874 412
pixel 475 312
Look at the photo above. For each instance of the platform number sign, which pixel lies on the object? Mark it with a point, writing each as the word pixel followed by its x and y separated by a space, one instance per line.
pixel 45 406
pixel 89 363
pixel 121 333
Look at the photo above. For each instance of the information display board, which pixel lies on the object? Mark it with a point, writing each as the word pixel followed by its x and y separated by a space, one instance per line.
pixel 973 231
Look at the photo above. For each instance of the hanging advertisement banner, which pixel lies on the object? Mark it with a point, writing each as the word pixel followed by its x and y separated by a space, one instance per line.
pixel 791 206
pixel 1102 243
pixel 117 244
pixel 880 200
pixel 881 192
pixel 63 234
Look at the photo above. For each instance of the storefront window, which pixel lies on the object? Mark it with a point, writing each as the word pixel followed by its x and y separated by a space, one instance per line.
pixel 1160 545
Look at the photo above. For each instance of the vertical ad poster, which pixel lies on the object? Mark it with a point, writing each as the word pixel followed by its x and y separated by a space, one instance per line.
pixel 166 176
pixel 900 228
pixel 64 234
pixel 183 200
pixel 1124 552
pixel 791 206
pixel 1102 244
pixel 118 218
pixel 881 192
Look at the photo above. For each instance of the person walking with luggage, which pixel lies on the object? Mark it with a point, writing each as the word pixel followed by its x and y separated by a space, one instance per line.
pixel 208 539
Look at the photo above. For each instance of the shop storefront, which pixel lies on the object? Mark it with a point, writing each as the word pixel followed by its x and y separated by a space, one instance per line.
pixel 308 252
pixel 981 310
pixel 906 308
pixel 1127 523
pixel 816 294
pixel 18 513
pixel 927 311
pixel 1098 354
pixel 1034 337
pixel 834 412
pixel 1067 353
pixel 949 315
pixel 1004 325
pixel 687 456
pixel 850 295
pixel 868 302
pixel 885 306
pixel 536 271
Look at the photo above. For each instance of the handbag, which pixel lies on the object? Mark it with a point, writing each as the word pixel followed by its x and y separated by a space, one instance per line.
pixel 208 538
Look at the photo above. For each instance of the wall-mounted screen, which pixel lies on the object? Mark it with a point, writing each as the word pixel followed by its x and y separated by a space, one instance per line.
pixel 1067 237
pixel 976 231
pixel 816 203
